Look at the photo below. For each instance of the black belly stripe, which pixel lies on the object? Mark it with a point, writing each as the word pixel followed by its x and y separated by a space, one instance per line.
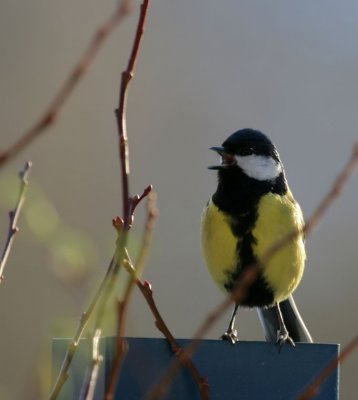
pixel 238 196
pixel 259 293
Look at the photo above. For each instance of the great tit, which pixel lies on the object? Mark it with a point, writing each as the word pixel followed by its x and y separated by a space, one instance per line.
pixel 251 211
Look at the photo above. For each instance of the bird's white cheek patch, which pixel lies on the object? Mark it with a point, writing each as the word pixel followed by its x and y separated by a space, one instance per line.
pixel 262 168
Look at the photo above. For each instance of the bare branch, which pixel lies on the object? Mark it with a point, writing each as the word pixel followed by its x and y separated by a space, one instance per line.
pixel 152 215
pixel 123 223
pixel 251 273
pixel 135 200
pixel 120 112
pixel 52 112
pixel 121 344
pixel 184 359
pixel 313 389
pixel 14 217
pixel 99 299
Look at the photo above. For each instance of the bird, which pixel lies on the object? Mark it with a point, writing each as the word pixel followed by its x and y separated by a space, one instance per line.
pixel 251 211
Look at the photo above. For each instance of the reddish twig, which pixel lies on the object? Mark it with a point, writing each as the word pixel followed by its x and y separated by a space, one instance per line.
pixel 250 275
pixel 152 215
pixel 53 110
pixel 121 344
pixel 120 112
pixel 89 386
pixel 183 356
pixel 134 202
pixel 14 217
pixel 184 359
pixel 123 224
pixel 313 389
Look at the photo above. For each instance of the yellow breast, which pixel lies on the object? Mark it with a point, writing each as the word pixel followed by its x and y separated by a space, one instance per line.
pixel 278 216
pixel 218 244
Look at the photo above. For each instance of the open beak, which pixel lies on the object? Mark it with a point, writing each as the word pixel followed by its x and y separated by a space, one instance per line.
pixel 227 159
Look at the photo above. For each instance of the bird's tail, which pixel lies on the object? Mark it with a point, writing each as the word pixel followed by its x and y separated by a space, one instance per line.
pixel 292 318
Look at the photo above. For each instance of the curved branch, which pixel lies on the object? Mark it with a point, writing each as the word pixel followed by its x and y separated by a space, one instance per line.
pixel 52 112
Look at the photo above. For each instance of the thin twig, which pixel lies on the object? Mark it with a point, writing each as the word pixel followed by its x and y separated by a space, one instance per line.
pixel 123 224
pixel 89 386
pixel 313 389
pixel 53 110
pixel 14 217
pixel 250 275
pixel 183 357
pixel 152 215
pixel 121 116
pixel 105 287
pixel 135 201
pixel 63 374
pixel 121 344
pixel 185 360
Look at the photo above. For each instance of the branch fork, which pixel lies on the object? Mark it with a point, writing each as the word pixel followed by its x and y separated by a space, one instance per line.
pixel 118 222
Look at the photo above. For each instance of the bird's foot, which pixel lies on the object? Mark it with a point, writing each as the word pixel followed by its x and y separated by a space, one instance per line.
pixel 284 337
pixel 230 336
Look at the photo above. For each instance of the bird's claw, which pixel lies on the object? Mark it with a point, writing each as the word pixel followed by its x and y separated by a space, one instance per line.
pixel 282 338
pixel 230 336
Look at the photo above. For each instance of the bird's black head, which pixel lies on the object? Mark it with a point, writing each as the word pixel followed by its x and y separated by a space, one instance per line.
pixel 245 143
pixel 251 152
pixel 250 166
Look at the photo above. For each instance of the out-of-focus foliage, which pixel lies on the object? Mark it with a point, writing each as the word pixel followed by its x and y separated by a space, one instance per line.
pixel 72 253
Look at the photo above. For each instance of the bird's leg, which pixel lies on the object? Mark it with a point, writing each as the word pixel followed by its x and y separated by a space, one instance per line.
pixel 231 333
pixel 283 335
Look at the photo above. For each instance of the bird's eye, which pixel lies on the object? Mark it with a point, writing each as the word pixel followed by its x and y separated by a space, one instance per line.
pixel 245 151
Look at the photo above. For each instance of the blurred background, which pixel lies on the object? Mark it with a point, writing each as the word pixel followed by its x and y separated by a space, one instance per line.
pixel 207 68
